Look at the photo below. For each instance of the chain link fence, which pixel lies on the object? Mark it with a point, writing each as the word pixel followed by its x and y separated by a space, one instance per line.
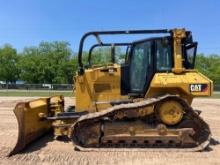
pixel 52 87
pixel 36 89
pixel 37 86
pixel 217 87
pixel 47 89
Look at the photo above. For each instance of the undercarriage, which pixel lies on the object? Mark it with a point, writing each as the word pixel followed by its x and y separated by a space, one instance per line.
pixel 131 126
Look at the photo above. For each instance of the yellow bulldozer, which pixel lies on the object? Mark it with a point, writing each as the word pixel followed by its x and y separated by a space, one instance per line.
pixel 141 104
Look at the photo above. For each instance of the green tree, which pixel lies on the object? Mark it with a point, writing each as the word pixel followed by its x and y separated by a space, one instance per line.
pixel 9 71
pixel 102 55
pixel 30 64
pixel 47 63
pixel 209 66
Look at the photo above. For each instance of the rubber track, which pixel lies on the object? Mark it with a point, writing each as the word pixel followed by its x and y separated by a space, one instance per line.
pixel 147 102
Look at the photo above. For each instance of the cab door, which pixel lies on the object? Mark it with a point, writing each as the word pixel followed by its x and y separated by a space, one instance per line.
pixel 146 58
pixel 141 67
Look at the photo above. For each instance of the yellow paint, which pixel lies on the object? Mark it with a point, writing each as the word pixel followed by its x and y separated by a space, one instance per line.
pixel 170 112
pixel 101 84
pixel 178 35
pixel 31 117
pixel 97 86
pixel 179 84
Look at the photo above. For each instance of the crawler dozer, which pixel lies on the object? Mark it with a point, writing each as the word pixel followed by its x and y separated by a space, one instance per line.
pixel 143 103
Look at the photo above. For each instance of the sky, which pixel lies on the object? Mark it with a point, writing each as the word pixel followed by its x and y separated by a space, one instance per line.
pixel 28 22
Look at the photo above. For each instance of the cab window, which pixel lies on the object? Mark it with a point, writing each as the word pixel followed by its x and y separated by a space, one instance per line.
pixel 141 65
pixel 163 55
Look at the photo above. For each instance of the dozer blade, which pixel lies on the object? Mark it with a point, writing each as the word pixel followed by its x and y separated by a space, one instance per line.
pixel 32 122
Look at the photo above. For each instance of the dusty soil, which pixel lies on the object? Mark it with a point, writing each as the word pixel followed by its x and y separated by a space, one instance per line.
pixel 49 151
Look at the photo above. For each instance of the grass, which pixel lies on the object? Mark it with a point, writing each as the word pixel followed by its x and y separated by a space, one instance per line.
pixel 216 95
pixel 47 93
pixel 34 93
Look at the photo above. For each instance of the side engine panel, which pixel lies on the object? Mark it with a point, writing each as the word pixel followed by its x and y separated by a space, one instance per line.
pixel 97 87
pixel 188 85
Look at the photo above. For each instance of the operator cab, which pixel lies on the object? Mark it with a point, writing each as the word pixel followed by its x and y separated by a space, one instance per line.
pixel 147 57
pixel 142 58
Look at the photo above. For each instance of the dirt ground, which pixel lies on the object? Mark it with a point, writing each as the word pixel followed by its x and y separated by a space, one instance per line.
pixel 49 151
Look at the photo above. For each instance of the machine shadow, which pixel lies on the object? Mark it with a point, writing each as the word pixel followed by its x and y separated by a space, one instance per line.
pixel 213 142
pixel 64 139
pixel 39 143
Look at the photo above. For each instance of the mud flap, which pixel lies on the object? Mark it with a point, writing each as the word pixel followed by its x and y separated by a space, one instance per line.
pixel 32 122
